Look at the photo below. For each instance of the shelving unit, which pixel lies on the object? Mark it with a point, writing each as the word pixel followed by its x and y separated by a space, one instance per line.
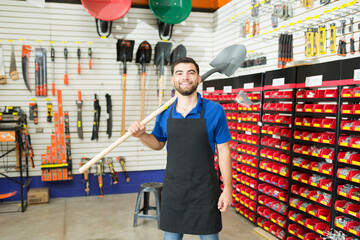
pixel 318 141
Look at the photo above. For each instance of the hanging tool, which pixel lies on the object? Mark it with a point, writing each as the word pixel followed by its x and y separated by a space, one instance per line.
pixel 53 71
pixel 109 115
pixel 143 56
pixel 66 77
pixel 352 41
pixel 25 55
pixel 162 57
pixel 100 174
pixel 38 85
pixel 113 173
pixel 2 67
pixel 124 54
pixel 90 56
pixel 33 115
pixel 85 178
pixel 13 71
pixel 44 71
pixel 121 160
pixel 226 62
pixel 342 42
pixel 96 124
pixel 49 112
pixel 68 143
pixel 28 146
pixel 79 104
pixel 333 38
pixel 322 37
pixel 79 55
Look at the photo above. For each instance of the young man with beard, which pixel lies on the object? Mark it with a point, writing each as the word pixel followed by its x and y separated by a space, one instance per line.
pixel 192 127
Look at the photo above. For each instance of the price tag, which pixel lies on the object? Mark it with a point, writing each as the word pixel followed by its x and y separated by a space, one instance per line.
pixel 227 89
pixel 248 85
pixel 278 82
pixel 313 81
pixel 210 89
pixel 356 74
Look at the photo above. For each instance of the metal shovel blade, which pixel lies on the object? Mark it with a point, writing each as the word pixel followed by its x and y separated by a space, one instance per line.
pixel 162 51
pixel 143 53
pixel 125 50
pixel 227 61
pixel 178 52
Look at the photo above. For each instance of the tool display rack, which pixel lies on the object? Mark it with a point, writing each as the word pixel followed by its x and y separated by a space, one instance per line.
pixel 324 149
pixel 347 204
pixel 275 155
pixel 245 134
pixel 13 121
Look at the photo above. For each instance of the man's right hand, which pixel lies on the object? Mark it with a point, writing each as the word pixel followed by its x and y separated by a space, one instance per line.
pixel 136 129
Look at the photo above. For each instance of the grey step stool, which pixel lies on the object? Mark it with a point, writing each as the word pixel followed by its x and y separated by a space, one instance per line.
pixel 147 188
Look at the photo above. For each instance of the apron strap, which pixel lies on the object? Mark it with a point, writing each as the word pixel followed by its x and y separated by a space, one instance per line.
pixel 201 113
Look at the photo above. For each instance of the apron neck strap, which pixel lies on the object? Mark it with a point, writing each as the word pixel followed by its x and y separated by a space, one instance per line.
pixel 201 113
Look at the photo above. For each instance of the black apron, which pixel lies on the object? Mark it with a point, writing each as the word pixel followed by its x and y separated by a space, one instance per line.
pixel 191 188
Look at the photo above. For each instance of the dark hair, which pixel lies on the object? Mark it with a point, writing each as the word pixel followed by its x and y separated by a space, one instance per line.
pixel 184 60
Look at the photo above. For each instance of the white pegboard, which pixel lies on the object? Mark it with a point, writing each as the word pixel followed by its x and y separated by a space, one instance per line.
pixel 61 22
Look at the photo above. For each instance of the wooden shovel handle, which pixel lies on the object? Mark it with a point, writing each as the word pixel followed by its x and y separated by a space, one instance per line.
pixel 127 135
pixel 161 90
pixel 123 104
pixel 143 75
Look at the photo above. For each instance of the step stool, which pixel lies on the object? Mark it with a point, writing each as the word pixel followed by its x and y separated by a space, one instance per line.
pixel 146 188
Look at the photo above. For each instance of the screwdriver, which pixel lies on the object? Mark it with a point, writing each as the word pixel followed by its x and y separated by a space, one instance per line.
pixel 66 78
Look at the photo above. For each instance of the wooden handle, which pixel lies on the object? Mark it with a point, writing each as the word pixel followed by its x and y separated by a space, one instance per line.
pixel 161 90
pixel 123 105
pixel 127 135
pixel 14 75
pixel 142 95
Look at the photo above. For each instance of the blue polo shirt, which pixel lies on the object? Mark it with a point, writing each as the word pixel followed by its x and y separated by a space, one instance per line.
pixel 215 119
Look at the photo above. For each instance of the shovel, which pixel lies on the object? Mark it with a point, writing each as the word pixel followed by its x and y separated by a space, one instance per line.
pixel 178 52
pixel 227 61
pixel 124 54
pixel 143 56
pixel 162 57
pixel 226 66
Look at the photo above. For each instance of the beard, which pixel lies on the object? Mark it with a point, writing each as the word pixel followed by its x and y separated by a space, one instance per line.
pixel 186 92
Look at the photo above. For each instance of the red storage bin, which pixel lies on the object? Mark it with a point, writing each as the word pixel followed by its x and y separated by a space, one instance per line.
pixel 255 96
pixel 328 138
pixel 338 225
pixel 319 108
pixel 309 108
pixel 329 123
pixel 285 94
pixel 330 108
pixel 287 107
pixel 324 214
pixel 346 122
pixel 299 121
pixel 353 209
pixel 311 236
pixel 347 92
pixel 356 109
pixel 327 168
pixel 299 108
pixel 350 227
pixel 283 183
pixel 268 94
pixel 282 119
pixel 356 92
pixel 300 94
pixel 347 108
pixel 310 223
pixel 295 189
pixel 310 93
pixel 254 128
pixel 330 93
pixel 285 132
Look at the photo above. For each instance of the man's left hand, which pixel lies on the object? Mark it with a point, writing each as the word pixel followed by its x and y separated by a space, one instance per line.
pixel 225 200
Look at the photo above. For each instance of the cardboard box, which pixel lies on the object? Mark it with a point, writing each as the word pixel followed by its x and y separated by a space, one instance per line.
pixel 38 195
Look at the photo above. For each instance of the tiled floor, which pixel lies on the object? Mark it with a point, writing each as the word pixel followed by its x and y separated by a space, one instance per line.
pixel 95 218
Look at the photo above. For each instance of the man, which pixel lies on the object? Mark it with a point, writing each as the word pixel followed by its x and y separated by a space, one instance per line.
pixel 193 127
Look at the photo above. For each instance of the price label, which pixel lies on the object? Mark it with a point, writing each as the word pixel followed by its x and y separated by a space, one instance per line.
pixel 313 81
pixel 278 82
pixel 210 89
pixel 227 89
pixel 356 74
pixel 248 85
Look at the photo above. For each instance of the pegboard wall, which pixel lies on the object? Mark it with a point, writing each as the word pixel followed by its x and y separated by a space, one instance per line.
pixel 229 19
pixel 69 25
